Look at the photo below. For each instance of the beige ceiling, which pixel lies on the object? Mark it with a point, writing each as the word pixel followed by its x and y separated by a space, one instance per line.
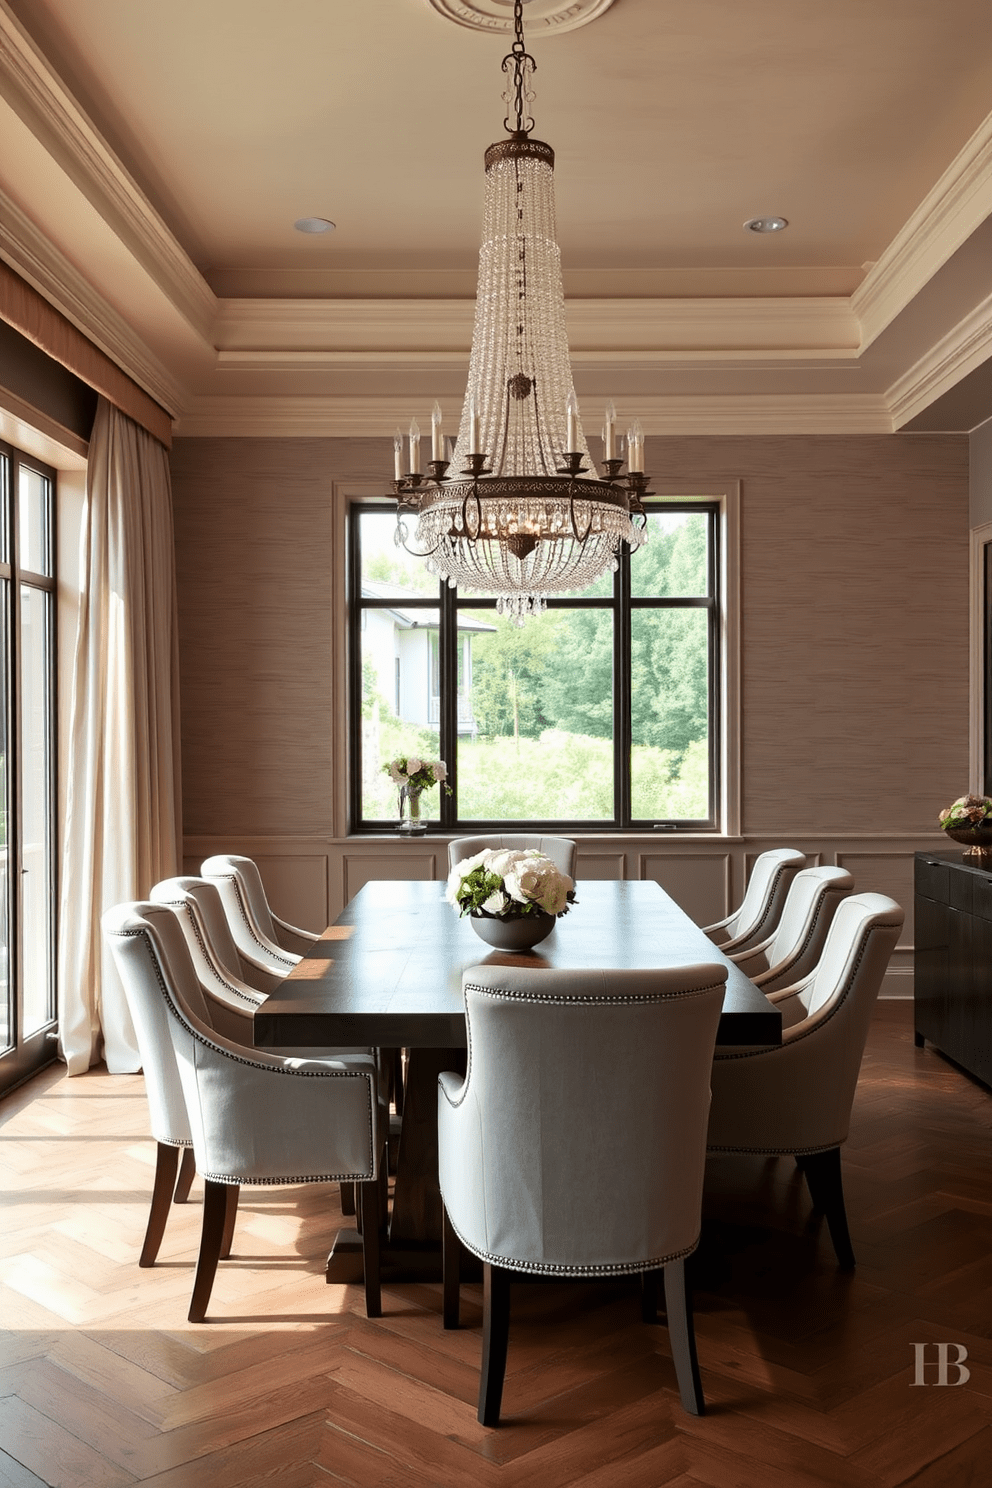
pixel 153 158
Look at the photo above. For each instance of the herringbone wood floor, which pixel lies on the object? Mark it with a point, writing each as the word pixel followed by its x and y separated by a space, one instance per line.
pixel 808 1372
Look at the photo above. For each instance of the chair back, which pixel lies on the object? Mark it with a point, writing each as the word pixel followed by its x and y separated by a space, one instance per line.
pixel 140 977
pixel 208 933
pixel 231 1001
pixel 561 850
pixel 576 1142
pixel 764 900
pixel 240 887
pixel 798 1097
pixel 798 942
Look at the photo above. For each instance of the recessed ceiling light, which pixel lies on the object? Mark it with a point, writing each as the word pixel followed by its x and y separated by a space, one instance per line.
pixel 314 225
pixel 766 224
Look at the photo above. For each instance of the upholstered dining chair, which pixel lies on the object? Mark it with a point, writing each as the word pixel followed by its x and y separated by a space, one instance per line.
pixel 764 899
pixel 254 1118
pixel 241 891
pixel 288 937
pixel 797 944
pixel 579 1083
pixel 231 1001
pixel 797 1098
pixel 561 850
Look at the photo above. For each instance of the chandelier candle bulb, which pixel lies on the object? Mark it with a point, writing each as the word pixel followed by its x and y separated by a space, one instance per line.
pixel 635 449
pixel 474 438
pixel 437 436
pixel 609 433
pixel 571 422
pixel 414 448
pixel 398 455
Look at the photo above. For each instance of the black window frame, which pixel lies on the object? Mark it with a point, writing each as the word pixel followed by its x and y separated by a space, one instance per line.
pixel 28 1054
pixel 623 604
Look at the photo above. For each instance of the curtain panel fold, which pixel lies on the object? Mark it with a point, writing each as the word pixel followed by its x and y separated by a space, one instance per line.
pixel 123 810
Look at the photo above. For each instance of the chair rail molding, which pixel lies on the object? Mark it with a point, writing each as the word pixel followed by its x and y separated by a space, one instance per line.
pixel 309 880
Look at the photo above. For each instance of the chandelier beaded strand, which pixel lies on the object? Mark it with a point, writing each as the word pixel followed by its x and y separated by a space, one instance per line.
pixel 526 517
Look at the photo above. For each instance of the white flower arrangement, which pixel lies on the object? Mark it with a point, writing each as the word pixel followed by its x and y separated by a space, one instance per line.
pixel 417 774
pixel 509 884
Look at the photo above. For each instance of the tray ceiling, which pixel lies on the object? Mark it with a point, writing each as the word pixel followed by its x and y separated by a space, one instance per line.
pixel 154 160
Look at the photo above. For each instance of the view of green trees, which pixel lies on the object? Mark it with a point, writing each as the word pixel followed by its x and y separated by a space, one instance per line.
pixel 542 700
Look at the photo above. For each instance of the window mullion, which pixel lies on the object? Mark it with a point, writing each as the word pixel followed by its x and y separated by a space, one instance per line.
pixel 448 721
pixel 622 722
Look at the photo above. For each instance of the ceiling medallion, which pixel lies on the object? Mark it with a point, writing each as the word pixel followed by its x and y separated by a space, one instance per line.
pixel 543 16
pixel 522 515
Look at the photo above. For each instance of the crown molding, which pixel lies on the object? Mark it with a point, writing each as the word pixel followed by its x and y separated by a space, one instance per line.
pixel 40 98
pixel 270 330
pixel 959 352
pixel 375 418
pixel 32 255
pixel 948 215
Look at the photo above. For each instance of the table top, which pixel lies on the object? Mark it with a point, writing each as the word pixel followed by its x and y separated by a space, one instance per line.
pixel 388 972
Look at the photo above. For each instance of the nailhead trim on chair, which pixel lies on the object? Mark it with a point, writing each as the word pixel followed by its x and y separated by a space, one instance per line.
pixel 837 1003
pixel 549 1268
pixel 233 878
pixel 633 999
pixel 182 906
pixel 769 898
pixel 809 936
pixel 322 1074
pixel 782 1151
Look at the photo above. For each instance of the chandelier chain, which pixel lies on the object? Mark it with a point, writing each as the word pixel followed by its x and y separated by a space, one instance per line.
pixel 518 94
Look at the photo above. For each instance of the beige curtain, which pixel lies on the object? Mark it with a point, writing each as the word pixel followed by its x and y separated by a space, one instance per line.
pixel 122 828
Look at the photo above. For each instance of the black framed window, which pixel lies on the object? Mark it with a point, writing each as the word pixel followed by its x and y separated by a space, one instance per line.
pixel 602 713
pixel 27 766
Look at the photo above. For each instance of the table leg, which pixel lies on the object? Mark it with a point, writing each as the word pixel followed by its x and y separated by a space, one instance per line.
pixel 412 1249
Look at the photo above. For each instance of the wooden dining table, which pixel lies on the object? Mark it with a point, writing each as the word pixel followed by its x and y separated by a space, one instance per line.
pixel 388 973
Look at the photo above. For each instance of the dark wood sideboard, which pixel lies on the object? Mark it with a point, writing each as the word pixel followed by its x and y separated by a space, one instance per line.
pixel 953 960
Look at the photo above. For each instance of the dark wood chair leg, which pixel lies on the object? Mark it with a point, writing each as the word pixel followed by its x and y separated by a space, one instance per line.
pixel 166 1162
pixel 451 1256
pixel 495 1332
pixel 348 1203
pixel 826 1189
pixel 371 1229
pixel 230 1215
pixel 187 1172
pixel 649 1296
pixel 211 1237
pixel 682 1335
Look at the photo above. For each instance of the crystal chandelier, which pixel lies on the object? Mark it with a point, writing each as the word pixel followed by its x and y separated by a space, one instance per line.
pixel 525 517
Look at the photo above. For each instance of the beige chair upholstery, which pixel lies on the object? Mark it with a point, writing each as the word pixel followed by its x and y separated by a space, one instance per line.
pixel 231 1002
pixel 797 1098
pixel 763 902
pixel 257 945
pixel 561 850
pixel 288 937
pixel 575 1143
pixel 254 1117
pixel 797 945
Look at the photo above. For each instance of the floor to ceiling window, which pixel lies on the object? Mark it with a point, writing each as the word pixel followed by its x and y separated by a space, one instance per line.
pixel 603 712
pixel 27 765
